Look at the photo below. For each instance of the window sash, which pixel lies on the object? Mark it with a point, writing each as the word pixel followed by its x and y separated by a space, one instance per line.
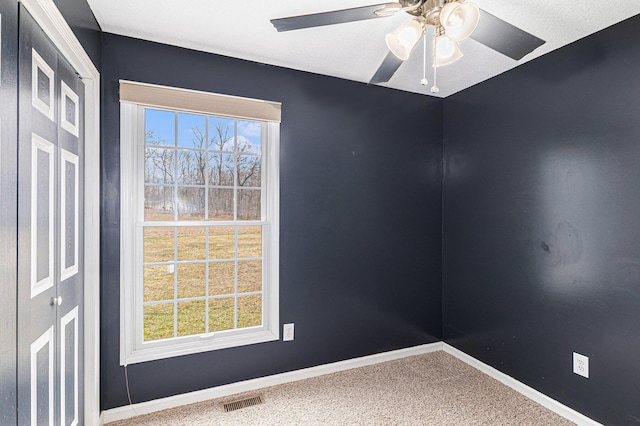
pixel 207 262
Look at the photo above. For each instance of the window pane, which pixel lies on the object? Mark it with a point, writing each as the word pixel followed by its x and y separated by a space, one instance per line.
pixel 249 276
pixel 159 165
pixel 191 280
pixel 192 243
pixel 249 137
pixel 220 170
pixel 158 244
pixel 221 134
pixel 248 204
pixel 158 321
pixel 191 317
pixel 250 311
pixel 159 282
pixel 221 278
pixel 249 241
pixel 249 173
pixel 220 204
pixel 192 167
pixel 159 127
pixel 222 242
pixel 221 314
pixel 158 203
pixel 191 203
pixel 192 131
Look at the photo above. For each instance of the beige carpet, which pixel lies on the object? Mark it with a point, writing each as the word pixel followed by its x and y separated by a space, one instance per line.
pixel 430 389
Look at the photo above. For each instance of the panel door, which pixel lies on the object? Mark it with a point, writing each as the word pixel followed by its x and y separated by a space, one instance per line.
pixel 50 253
pixel 8 208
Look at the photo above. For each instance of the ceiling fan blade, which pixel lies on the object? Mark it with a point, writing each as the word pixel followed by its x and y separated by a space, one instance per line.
pixel 387 69
pixel 503 37
pixel 334 17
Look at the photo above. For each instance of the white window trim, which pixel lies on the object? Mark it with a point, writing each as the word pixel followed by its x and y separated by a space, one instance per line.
pixel 131 181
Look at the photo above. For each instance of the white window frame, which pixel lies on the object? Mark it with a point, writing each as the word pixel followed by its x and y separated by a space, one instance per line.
pixel 132 347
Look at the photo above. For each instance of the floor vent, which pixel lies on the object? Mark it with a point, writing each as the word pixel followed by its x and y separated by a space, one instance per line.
pixel 242 403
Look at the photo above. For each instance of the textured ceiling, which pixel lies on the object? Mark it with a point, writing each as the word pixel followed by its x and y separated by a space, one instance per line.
pixel 354 50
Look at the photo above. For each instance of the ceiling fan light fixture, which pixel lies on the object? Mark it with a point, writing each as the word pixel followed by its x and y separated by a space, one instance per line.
pixel 447 51
pixel 401 41
pixel 459 20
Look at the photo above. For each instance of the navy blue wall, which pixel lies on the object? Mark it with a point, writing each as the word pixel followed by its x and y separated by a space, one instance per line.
pixel 541 250
pixel 80 18
pixel 360 269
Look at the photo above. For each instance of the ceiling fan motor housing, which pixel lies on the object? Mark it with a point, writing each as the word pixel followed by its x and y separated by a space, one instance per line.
pixel 430 10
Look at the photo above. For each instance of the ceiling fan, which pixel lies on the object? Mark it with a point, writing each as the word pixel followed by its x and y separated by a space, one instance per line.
pixel 453 20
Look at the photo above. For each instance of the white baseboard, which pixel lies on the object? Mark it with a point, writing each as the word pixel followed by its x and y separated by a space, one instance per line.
pixel 126 412
pixel 540 398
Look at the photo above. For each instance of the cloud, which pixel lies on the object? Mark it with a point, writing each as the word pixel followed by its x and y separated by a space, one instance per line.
pixel 249 128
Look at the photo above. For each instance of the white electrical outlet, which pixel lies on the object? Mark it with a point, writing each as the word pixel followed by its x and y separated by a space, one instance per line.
pixel 581 365
pixel 287 332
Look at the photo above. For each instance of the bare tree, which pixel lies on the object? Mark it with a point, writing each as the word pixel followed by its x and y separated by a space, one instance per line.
pixel 248 169
pixel 161 159
pixel 221 170
pixel 159 169
pixel 199 142
pixel 222 173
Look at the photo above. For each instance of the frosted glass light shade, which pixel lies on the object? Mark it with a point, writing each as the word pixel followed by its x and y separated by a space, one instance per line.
pixel 447 51
pixel 459 20
pixel 401 41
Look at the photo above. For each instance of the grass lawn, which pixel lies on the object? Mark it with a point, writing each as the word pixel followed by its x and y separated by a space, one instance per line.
pixel 173 282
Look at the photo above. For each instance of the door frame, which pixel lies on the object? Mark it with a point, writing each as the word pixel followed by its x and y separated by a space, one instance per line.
pixel 47 15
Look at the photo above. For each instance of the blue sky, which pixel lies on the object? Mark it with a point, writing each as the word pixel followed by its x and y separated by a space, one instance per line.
pixel 163 125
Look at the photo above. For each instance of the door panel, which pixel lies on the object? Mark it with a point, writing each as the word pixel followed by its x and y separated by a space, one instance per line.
pixel 42 215
pixel 69 209
pixel 42 373
pixel 50 232
pixel 43 84
pixel 69 371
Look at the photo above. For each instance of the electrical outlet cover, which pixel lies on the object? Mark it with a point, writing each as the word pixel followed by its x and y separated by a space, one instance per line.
pixel 581 365
pixel 287 332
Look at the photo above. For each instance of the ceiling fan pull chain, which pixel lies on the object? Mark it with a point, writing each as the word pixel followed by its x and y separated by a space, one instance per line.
pixel 435 88
pixel 424 81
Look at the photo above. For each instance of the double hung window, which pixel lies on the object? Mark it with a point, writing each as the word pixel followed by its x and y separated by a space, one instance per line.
pixel 199 221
